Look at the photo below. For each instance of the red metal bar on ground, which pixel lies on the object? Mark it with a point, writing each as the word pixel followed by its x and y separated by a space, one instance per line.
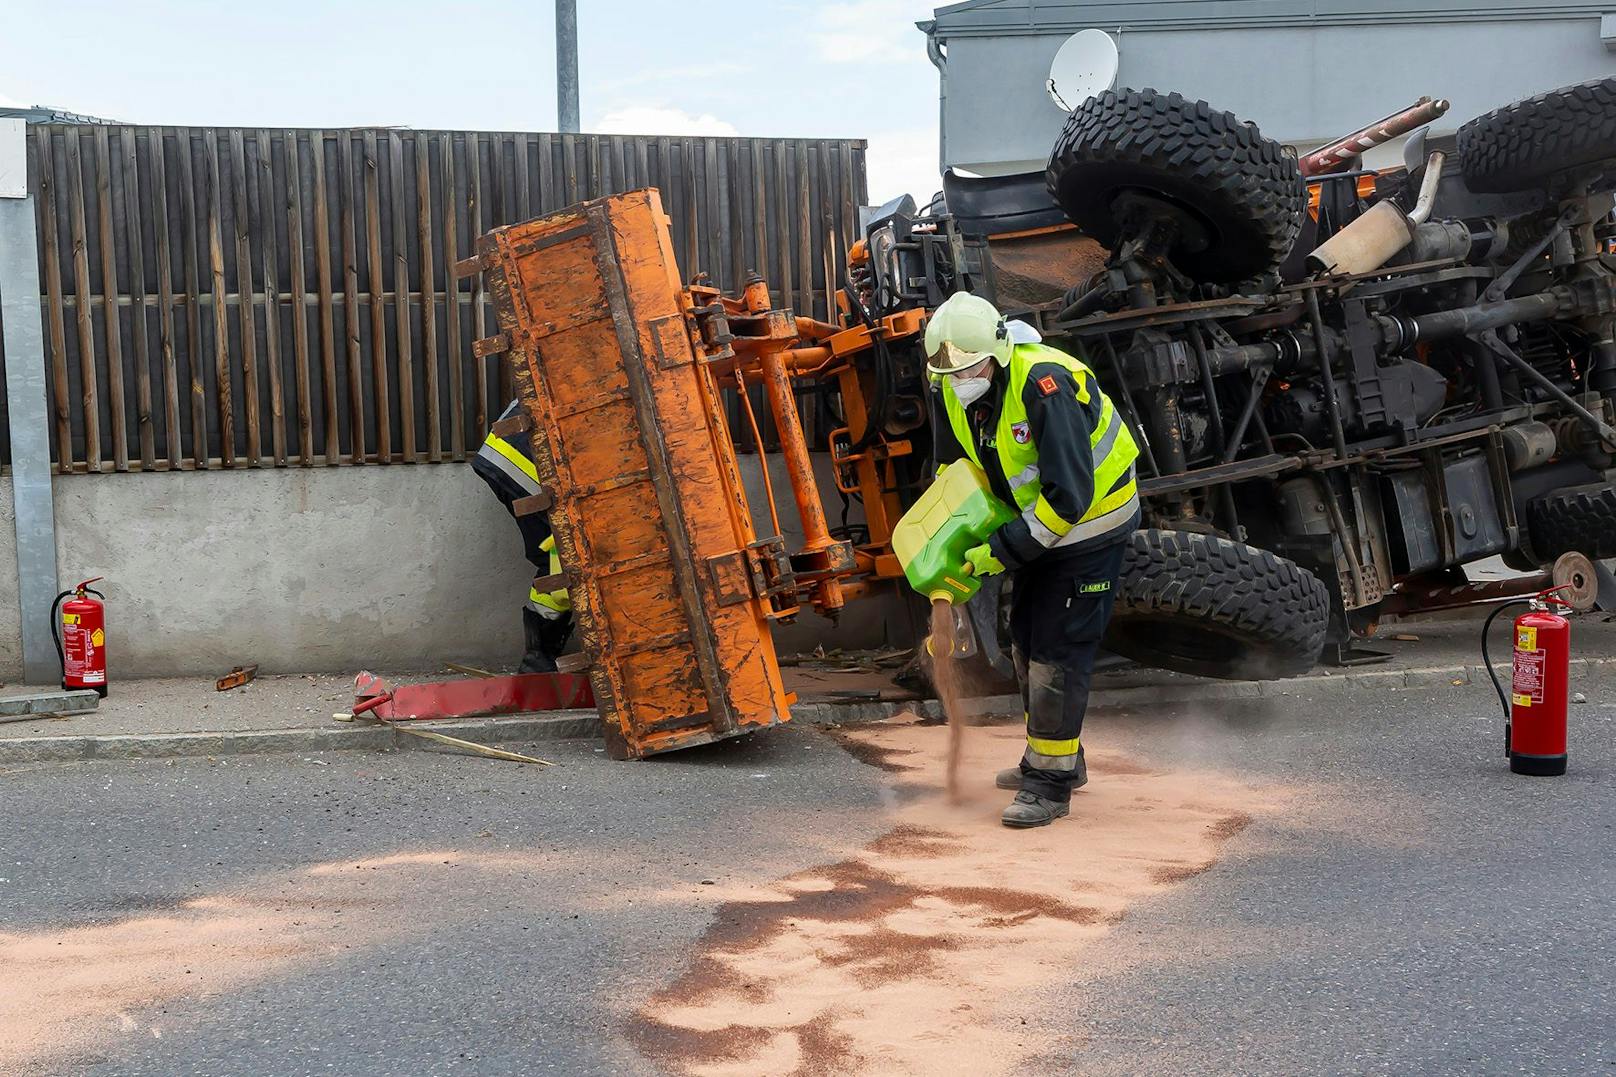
pixel 522 693
pixel 1343 151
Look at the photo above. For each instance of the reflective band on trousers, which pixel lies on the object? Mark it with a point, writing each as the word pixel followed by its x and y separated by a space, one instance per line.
pixel 550 604
pixel 1051 754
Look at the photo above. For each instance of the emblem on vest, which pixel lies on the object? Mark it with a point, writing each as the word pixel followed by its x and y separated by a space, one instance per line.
pixel 1022 432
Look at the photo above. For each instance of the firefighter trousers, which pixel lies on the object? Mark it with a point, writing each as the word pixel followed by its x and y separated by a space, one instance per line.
pixel 1059 607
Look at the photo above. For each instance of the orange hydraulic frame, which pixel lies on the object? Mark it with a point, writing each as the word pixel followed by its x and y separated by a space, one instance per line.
pixel 747 342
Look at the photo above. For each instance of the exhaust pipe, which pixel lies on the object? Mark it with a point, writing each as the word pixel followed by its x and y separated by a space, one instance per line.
pixel 1370 241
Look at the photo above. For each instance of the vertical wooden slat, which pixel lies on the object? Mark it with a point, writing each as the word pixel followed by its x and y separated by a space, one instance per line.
pixel 49 214
pixel 804 230
pixel 244 295
pixel 569 167
pixel 328 334
pixel 165 298
pixel 81 289
pixel 136 246
pixel 429 295
pixel 829 236
pixel 760 207
pixel 190 233
pixel 474 199
pixel 300 311
pixel 718 212
pixel 780 221
pixel 711 249
pixel 598 179
pixel 693 216
pixel 549 197
pixel 109 300
pixel 401 296
pixel 221 313
pixel 524 194
pixel 350 298
pixel 260 193
pixel 502 207
pixel 380 393
pixel 739 188
pixel 451 305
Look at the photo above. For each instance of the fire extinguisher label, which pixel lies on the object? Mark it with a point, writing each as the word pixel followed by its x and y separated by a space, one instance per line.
pixel 1528 674
pixel 97 638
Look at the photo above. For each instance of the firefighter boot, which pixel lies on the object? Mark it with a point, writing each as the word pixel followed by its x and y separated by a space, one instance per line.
pixel 1010 777
pixel 546 638
pixel 1030 810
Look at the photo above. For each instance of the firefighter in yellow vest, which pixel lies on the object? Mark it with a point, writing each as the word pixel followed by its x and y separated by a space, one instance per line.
pixel 1055 449
pixel 506 465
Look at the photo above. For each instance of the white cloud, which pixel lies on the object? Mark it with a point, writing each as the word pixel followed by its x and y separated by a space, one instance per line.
pixel 659 120
pixel 866 31
pixel 903 162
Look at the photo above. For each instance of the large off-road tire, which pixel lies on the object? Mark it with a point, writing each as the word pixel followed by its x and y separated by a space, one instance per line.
pixel 1204 605
pixel 1576 519
pixel 1543 141
pixel 1242 189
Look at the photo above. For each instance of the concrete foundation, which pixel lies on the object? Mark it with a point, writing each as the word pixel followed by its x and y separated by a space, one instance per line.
pixel 318 569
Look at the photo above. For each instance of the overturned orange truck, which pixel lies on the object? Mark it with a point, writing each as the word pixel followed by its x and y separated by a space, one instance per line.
pixel 1346 387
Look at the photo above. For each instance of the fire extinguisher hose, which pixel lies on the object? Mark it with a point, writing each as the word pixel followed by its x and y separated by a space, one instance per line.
pixel 1487 658
pixel 56 630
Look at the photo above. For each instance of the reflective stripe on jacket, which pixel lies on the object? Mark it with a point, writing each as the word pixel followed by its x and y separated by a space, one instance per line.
pixel 506 464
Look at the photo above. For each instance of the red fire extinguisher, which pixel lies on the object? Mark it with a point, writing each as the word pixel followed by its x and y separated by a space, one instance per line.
pixel 1535 711
pixel 80 628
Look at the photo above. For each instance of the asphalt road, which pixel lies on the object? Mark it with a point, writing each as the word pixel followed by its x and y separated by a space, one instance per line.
pixel 1413 907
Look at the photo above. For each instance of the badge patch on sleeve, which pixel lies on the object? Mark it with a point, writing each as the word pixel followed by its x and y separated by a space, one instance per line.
pixel 1047 386
pixel 1022 432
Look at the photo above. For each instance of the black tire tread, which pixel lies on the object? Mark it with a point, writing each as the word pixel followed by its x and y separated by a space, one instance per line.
pixel 1275 605
pixel 1525 145
pixel 1576 519
pixel 1233 172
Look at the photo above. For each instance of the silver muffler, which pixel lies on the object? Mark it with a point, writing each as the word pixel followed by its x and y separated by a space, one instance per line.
pixel 1370 241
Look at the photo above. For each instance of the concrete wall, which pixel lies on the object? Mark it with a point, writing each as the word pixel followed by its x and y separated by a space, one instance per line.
pixel 311 570
pixel 1299 84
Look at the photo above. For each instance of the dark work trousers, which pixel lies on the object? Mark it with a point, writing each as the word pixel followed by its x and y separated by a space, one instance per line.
pixel 1059 606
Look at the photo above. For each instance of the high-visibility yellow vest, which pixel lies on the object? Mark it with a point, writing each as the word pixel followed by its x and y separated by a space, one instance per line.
pixel 1110 442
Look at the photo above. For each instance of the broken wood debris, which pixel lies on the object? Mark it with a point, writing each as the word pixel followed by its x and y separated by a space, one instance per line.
pixel 237 677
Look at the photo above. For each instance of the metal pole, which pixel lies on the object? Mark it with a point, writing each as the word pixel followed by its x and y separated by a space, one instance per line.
pixel 567 65
pixel 24 347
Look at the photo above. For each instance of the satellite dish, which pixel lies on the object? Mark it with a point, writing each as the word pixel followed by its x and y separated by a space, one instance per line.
pixel 1086 65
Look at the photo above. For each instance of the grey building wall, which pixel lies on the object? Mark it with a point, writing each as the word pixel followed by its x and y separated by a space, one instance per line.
pixel 318 569
pixel 1305 72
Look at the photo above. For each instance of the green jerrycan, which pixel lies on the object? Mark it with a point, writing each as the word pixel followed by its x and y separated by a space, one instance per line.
pixel 956 512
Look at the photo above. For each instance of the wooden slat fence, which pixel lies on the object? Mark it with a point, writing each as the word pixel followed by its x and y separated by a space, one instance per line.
pixel 228 298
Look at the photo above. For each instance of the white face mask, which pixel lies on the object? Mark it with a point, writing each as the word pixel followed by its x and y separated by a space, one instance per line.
pixel 969 390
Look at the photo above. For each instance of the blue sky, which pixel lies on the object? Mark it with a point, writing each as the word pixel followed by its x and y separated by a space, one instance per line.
pixel 848 69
